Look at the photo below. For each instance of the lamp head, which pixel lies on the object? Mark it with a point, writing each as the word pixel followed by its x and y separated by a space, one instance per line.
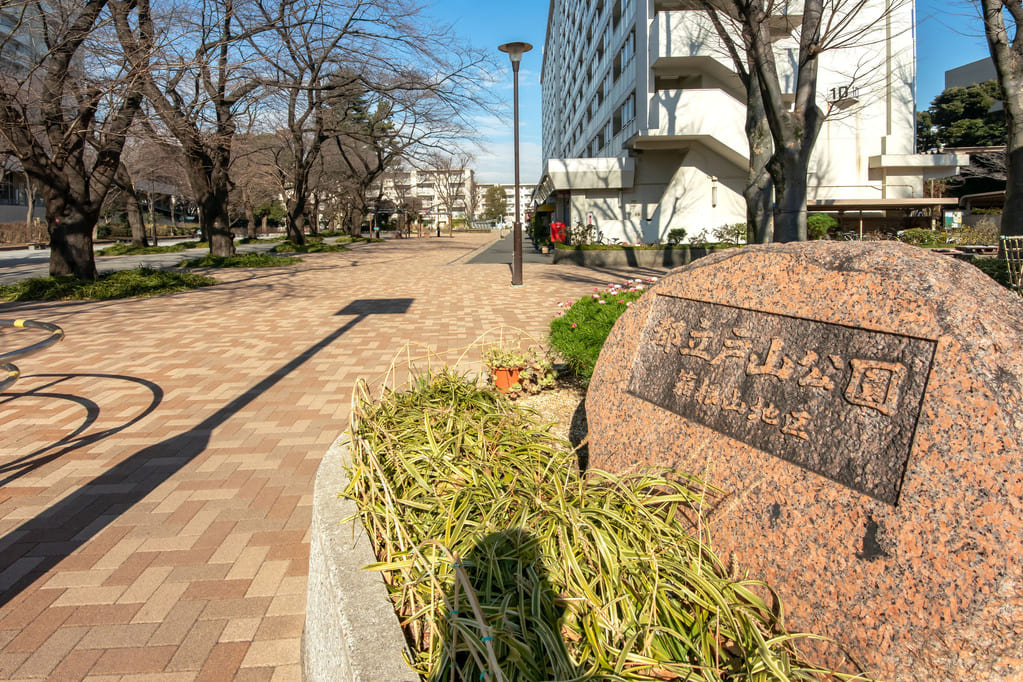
pixel 515 50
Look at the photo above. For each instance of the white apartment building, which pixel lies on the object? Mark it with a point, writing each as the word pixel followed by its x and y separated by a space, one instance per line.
pixel 526 193
pixel 643 117
pixel 429 192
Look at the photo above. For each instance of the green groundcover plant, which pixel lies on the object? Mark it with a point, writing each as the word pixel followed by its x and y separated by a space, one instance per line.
pixel 139 282
pixel 312 246
pixel 241 260
pixel 129 250
pixel 506 563
pixel 579 333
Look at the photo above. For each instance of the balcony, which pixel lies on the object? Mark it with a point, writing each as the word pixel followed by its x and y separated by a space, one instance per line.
pixel 712 118
pixel 686 46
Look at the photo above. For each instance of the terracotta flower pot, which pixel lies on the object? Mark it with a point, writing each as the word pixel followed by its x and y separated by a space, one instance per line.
pixel 505 377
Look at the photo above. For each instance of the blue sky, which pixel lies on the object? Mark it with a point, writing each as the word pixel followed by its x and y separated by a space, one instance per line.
pixel 949 34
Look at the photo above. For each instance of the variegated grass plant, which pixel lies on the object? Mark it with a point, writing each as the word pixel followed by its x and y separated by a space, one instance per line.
pixel 505 563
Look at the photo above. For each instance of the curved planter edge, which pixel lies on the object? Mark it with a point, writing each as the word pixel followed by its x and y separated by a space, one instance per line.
pixel 351 633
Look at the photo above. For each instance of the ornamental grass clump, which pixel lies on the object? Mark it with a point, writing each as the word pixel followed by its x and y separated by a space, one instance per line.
pixel 505 563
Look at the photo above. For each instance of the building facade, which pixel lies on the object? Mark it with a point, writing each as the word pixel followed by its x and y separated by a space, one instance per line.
pixel 644 113
pixel 526 193
pixel 428 192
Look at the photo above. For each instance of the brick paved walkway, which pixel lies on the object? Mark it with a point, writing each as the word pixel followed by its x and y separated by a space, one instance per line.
pixel 156 467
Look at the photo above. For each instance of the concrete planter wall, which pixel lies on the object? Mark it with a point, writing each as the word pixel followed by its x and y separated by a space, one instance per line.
pixel 668 257
pixel 351 633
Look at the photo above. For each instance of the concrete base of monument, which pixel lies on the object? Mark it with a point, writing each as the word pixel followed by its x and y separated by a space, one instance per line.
pixel 860 408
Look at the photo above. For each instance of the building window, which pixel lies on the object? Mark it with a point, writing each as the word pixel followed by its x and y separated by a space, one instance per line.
pixel 629 108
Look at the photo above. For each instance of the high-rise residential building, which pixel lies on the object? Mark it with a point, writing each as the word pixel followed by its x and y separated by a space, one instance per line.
pixel 644 114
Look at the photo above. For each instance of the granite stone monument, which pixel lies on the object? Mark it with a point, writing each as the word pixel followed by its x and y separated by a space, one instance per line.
pixel 856 410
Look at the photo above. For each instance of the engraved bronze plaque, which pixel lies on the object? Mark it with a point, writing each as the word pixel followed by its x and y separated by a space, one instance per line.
pixel 840 401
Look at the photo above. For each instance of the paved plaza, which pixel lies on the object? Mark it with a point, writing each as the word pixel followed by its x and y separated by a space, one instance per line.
pixel 156 466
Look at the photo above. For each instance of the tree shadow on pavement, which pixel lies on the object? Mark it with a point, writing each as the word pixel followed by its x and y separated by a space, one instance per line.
pixel 40 543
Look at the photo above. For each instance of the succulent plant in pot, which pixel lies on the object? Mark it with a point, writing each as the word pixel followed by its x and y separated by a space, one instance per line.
pixel 519 371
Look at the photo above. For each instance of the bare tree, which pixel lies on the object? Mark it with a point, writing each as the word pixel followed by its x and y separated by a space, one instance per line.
pixel 363 72
pixel 796 119
pixel 449 178
pixel 255 176
pixel 473 201
pixel 66 118
pixel 1002 19
pixel 759 190
pixel 202 74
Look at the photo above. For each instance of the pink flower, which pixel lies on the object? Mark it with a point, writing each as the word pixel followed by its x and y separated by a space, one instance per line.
pixel 628 304
pixel 601 302
pixel 596 295
pixel 574 325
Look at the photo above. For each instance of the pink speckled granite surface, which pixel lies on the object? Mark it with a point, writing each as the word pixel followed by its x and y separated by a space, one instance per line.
pixel 930 588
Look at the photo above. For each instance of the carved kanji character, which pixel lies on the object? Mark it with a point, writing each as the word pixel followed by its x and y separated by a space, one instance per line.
pixel 875 384
pixel 685 385
pixel 666 334
pixel 756 410
pixel 794 424
pixel 770 415
pixel 699 342
pixel 708 394
pixel 730 401
pixel 738 347
pixel 775 364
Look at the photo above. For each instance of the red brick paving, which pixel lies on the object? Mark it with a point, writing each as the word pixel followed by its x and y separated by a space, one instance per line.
pixel 156 467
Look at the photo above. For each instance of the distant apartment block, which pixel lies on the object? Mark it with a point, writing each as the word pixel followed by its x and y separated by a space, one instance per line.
pixel 427 192
pixel 643 117
pixel 526 193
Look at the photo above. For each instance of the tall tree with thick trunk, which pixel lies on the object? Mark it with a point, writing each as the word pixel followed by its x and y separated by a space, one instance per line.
pixel 797 114
pixel 758 190
pixel 197 82
pixel 67 118
pixel 1002 19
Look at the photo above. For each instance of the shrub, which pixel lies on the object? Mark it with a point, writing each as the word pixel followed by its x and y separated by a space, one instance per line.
pixel 984 232
pixel 676 236
pixel 734 233
pixel 819 224
pixel 579 334
pixel 922 237
pixel 539 230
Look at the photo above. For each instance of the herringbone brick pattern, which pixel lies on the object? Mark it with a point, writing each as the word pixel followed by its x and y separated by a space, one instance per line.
pixel 156 467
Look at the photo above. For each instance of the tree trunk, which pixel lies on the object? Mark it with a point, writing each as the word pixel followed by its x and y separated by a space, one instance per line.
pixel 70 233
pixel 152 218
pixel 250 219
pixel 789 197
pixel 29 196
pixel 1007 55
pixel 314 223
pixel 759 190
pixel 135 222
pixel 215 224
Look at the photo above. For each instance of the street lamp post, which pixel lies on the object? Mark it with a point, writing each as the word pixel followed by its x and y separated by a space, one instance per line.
pixel 515 52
